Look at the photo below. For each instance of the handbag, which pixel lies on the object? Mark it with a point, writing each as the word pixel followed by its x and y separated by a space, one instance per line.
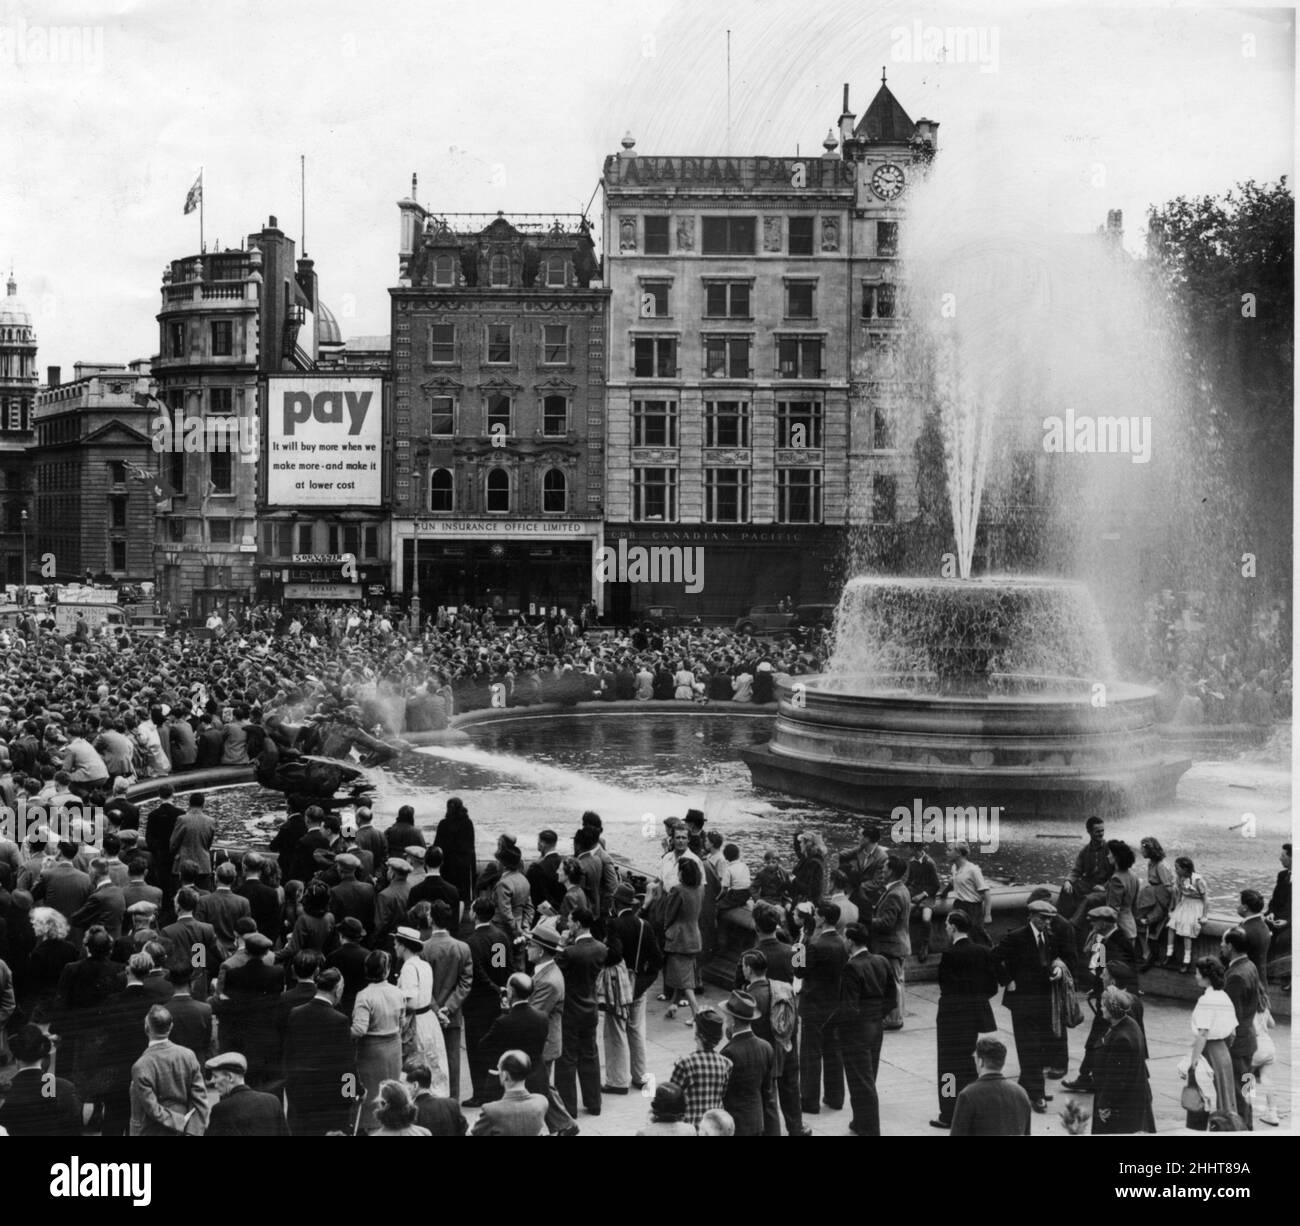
pixel 1191 1098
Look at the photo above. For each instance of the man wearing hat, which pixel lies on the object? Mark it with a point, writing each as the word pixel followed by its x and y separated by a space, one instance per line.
pixel 751 1094
pixel 1104 945
pixel 242 1111
pixel 1067 949
pixel 352 897
pixel 547 997
pixel 247 1013
pixel 644 960
pixel 390 903
pixel 1025 960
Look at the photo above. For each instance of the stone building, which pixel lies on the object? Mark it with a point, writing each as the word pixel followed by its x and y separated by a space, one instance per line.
pixel 18 384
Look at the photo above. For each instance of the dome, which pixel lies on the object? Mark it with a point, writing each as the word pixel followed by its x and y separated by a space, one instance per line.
pixel 13 314
pixel 327 326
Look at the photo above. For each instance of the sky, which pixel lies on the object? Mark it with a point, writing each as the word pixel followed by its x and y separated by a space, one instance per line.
pixel 108 111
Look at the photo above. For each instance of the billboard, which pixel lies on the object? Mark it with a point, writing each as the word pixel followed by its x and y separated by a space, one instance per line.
pixel 324 441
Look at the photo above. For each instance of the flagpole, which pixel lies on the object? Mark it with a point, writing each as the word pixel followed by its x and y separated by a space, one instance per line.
pixel 202 250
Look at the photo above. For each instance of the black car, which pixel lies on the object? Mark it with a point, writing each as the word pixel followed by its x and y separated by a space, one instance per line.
pixel 822 616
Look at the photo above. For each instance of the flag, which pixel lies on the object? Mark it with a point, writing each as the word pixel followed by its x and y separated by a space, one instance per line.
pixel 194 197
pixel 160 489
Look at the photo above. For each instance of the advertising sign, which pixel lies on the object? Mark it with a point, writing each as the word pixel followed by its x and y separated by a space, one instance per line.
pixel 324 441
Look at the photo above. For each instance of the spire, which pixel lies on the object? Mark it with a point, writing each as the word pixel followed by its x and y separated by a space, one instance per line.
pixel 13 285
pixel 885 120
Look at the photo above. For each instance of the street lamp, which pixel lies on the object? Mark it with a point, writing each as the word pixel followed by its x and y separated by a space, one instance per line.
pixel 23 589
pixel 422 454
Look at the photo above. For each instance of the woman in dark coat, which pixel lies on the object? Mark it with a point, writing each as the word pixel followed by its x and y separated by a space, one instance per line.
pixel 455 836
pixel 1122 1101
pixel 404 833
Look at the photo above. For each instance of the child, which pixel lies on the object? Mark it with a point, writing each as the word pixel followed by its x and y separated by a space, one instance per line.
pixel 1191 904
pixel 923 885
pixel 1261 1062
pixel 771 882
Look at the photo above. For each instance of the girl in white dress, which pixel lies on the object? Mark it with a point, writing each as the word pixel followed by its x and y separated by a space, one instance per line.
pixel 421 1034
pixel 1191 903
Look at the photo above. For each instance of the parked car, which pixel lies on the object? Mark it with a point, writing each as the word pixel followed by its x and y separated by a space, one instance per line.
pixel 763 619
pixel 808 616
pixel 660 617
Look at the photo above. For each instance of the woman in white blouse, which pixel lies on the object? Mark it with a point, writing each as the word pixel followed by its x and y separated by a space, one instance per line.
pixel 1214 1020
pixel 421 1033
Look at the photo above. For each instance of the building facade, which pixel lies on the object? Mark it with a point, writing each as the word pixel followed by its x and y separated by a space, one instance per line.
pixel 18 385
pixel 498 351
pixel 750 402
pixel 229 319
pixel 93 514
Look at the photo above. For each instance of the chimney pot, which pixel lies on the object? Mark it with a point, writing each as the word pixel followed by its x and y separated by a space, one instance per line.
pixel 53 374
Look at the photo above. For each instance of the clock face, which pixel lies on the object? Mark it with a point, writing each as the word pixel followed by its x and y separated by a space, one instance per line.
pixel 887 181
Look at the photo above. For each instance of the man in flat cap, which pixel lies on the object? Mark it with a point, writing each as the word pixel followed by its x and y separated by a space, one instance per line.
pixel 1105 944
pixel 1067 949
pixel 242 1111
pixel 390 903
pixel 1025 961
pixel 351 897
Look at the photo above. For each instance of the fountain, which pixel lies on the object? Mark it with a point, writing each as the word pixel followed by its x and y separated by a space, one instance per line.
pixel 985 692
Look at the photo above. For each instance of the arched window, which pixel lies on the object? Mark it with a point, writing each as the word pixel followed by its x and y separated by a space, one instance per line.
pixel 555 492
pixel 442 494
pixel 499 270
pixel 498 491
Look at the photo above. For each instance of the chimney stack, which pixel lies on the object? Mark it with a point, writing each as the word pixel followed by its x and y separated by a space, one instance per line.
pixel 846 117
pixel 53 375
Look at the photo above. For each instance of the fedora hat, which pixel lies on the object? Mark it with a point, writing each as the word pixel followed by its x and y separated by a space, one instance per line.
pixel 742 1006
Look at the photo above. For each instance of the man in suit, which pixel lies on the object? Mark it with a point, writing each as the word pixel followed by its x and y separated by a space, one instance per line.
pixel 822 966
pixel 1241 982
pixel 547 998
pixel 192 839
pixel 868 991
pixel 1024 961
pixel 544 872
pixel 159 824
pixel 189 939
pixel 123 1043
pixel 351 897
pixel 306 965
pixel 491 960
pixel 441 1116
pixel 644 960
pixel 222 908
pixel 241 1111
pixel 263 900
pixel 453 977
pixel 891 935
pixel 319 1061
pixel 785 1060
pixel 1104 946
pixel 967 982
pixel 246 1014
pixel 779 955
pixel 350 961
pixel 517 1113
pixel 168 1097
pixel 751 1090
pixel 85 989
pixel 580 962
pixel 522 1028
pixel 1279 913
pixel 137 888
pixel 1258 936
pixel 191 1019
pixel 302 860
pixel 991 1106
pixel 1067 949
pixel 434 887
pixel 36 1104
pixel 63 886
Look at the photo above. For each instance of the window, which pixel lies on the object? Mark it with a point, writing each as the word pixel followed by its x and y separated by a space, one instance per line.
pixel 372 542
pixel 176 531
pixel 654 423
pixel 221 400
pixel 884 498
pixel 799 424
pixel 306 541
pixel 174 461
pixel 726 495
pixel 728 235
pixel 500 416
pixel 555 344
pixel 656 235
pixel 176 339
pixel 800 299
pixel 799 357
pixel 726 299
pixel 726 423
pixel 119 555
pixel 801 235
pixel 555 492
pixel 799 495
pixel 442 344
pixel 221 472
pixel 499 270
pixel 885 301
pixel 655 357
pixel 223 338
pixel 887 238
pixel 117 471
pixel 219 531
pixel 277 538
pixel 555 416
pixel 882 431
pixel 351 539
pixel 726 357
pixel 442 496
pixel 117 512
pixel 444 270
pixel 557 271
pixel 498 491
pixel 499 342
pixel 442 417
pixel 654 494
pixel 654 299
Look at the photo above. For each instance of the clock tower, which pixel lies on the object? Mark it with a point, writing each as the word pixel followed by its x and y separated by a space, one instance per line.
pixel 890 154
